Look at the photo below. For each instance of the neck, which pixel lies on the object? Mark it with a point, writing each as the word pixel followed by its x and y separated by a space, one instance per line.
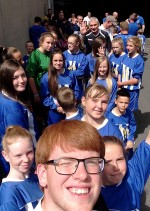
pixel 118 112
pixel 41 49
pixel 94 122
pixel 102 77
pixel 61 71
pixel 133 54
pixel 71 112
pixel 13 174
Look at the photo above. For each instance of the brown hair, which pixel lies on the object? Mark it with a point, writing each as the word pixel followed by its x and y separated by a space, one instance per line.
pixel 52 73
pixel 115 141
pixel 12 134
pixel 69 135
pixel 97 43
pixel 66 98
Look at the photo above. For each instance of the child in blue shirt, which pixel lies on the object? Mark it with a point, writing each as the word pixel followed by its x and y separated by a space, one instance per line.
pixel 66 99
pixel 123 182
pixel 131 71
pixel 20 189
pixel 124 119
pixel 95 102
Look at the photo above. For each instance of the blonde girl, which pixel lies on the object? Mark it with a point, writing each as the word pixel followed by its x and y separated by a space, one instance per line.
pixel 103 76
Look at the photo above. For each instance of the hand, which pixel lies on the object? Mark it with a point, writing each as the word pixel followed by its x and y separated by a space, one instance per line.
pixel 60 110
pixel 37 99
pixel 83 28
pixel 119 84
pixel 129 145
pixel 101 51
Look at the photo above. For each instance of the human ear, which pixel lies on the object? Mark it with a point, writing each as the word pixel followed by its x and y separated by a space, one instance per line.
pixel 42 175
pixel 5 155
pixel 83 101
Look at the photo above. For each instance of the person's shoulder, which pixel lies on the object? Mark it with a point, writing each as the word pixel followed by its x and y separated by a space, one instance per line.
pixel 44 77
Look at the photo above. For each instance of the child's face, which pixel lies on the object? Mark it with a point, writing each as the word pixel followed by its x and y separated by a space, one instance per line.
pixel 19 80
pixel 122 103
pixel 115 165
pixel 131 48
pixel 29 47
pixel 58 61
pixel 117 49
pixel 20 155
pixel 72 44
pixel 103 69
pixel 47 44
pixel 95 107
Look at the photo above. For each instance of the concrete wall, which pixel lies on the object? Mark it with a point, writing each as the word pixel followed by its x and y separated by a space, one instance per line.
pixel 16 16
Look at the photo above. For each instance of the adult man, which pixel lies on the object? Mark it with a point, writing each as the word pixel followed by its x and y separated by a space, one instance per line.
pixel 36 30
pixel 110 21
pixel 69 159
pixel 87 18
pixel 93 33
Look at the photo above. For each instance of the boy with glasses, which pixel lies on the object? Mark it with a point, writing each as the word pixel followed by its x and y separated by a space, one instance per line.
pixel 69 159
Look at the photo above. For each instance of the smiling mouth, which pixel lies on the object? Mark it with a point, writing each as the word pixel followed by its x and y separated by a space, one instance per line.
pixel 79 191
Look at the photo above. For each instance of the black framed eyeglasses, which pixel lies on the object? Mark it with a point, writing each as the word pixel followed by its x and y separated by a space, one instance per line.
pixel 68 166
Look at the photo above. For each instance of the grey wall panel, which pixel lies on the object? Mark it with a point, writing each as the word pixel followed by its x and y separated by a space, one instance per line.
pixel 15 19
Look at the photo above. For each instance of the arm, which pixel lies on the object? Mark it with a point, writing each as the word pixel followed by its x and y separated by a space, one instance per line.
pixel 129 82
pixel 34 90
pixel 46 97
pixel 132 127
pixel 31 72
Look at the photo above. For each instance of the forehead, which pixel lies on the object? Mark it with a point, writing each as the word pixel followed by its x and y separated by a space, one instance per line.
pixel 113 151
pixel 73 153
pixel 57 56
pixel 29 44
pixel 123 98
pixel 19 70
pixel 103 62
pixel 19 142
pixel 93 22
pixel 48 39
pixel 116 43
pixel 71 39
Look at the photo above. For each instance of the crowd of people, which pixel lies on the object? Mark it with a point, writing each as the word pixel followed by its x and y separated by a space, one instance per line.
pixel 68 129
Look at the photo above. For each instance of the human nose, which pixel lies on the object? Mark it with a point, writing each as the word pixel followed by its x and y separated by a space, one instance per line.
pixel 26 158
pixel 115 165
pixel 21 79
pixel 81 172
pixel 99 104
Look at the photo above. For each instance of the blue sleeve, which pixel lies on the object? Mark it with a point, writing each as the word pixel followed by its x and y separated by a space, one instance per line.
pixel 46 98
pixel 132 126
pixel 139 68
pixel 9 207
pixel 17 117
pixel 75 86
pixel 112 98
pixel 139 167
pixel 82 68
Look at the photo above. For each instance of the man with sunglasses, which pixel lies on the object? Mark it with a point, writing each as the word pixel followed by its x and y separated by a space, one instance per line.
pixel 69 159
